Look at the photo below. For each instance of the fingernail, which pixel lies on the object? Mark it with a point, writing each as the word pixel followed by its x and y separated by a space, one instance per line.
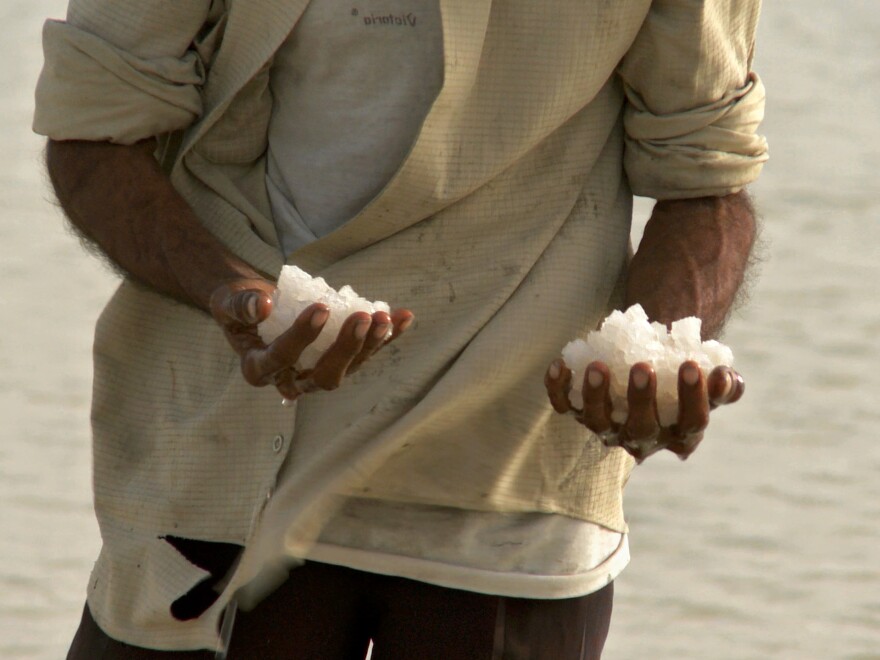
pixel 319 318
pixel 406 323
pixel 554 370
pixel 640 379
pixel 595 378
pixel 361 328
pixel 380 331
pixel 691 375
pixel 739 388
pixel 251 307
pixel 728 386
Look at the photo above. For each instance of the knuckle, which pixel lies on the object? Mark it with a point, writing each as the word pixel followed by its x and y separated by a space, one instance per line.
pixel 559 405
pixel 594 410
pixel 695 422
pixel 248 370
pixel 640 427
pixel 288 393
pixel 235 305
pixel 324 380
pixel 253 378
pixel 701 423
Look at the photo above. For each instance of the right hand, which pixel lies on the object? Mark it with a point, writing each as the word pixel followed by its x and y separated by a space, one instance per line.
pixel 239 306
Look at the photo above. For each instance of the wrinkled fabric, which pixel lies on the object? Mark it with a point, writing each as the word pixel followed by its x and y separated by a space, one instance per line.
pixel 703 152
pixel 128 98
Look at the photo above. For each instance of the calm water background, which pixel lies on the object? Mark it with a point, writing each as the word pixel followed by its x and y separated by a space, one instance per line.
pixel 765 544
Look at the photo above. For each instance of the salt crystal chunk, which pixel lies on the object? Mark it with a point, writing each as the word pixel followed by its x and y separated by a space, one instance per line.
pixel 296 291
pixel 685 333
pixel 626 338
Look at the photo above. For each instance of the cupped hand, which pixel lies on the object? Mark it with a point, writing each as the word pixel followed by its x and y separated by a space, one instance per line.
pixel 641 434
pixel 241 305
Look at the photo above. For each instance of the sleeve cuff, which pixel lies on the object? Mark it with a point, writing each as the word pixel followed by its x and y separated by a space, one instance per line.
pixel 708 151
pixel 91 90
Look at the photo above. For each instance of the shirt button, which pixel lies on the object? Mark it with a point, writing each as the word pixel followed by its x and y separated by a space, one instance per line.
pixel 278 443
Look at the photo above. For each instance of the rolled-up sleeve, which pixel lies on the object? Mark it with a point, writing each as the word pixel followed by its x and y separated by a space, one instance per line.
pixel 120 70
pixel 693 103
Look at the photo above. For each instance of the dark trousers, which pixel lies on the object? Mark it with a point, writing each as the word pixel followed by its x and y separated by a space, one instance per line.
pixel 326 612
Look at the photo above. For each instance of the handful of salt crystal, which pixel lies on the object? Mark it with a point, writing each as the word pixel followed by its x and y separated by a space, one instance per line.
pixel 626 338
pixel 296 291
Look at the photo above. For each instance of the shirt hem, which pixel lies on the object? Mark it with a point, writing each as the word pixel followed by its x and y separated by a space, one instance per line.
pixel 513 585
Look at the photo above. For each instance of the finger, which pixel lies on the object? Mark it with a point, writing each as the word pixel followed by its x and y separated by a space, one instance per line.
pixel 693 411
pixel 332 365
pixel 285 383
pixel 305 383
pixel 557 381
pixel 693 400
pixel 375 339
pixel 243 339
pixel 261 364
pixel 641 396
pixel 596 391
pixel 725 386
pixel 401 321
pixel 684 445
pixel 247 307
pixel 639 435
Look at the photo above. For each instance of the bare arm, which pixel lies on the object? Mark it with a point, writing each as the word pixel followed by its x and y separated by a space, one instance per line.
pixel 692 259
pixel 119 198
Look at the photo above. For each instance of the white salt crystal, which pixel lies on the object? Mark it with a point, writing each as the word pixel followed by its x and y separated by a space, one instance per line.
pixel 626 338
pixel 296 291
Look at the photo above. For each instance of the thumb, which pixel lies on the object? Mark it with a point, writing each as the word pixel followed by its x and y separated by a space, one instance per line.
pixel 248 307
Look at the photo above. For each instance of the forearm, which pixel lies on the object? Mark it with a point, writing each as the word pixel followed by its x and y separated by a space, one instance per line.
pixel 693 258
pixel 119 198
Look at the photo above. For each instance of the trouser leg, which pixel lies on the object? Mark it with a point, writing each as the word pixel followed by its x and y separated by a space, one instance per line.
pixel 574 628
pixel 320 613
pixel 92 643
pixel 326 612
pixel 421 621
pixel 426 622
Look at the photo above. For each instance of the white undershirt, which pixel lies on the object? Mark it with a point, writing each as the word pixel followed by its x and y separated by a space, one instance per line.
pixel 351 88
pixel 521 555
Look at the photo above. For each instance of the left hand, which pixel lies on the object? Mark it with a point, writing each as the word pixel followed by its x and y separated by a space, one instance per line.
pixel 641 434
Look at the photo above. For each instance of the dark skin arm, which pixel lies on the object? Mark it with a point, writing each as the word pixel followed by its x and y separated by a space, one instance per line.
pixel 119 199
pixel 691 261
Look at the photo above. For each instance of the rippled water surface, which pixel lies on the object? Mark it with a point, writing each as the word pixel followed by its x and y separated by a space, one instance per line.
pixel 764 545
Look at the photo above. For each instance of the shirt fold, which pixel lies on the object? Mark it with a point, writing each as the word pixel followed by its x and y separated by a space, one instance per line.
pixel 710 150
pixel 89 89
pixel 693 103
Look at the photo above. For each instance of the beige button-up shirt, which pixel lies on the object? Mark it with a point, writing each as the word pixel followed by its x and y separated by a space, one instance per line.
pixel 506 231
